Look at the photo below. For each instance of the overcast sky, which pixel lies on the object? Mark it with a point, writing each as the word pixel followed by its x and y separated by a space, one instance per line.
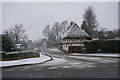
pixel 35 16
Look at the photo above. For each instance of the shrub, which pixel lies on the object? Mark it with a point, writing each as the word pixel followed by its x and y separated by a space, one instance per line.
pixel 7 43
pixel 20 55
pixel 102 46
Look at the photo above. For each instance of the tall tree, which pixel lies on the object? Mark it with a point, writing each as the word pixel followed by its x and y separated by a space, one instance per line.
pixel 90 17
pixel 56 29
pixel 84 25
pixel 52 37
pixel 46 31
pixel 63 27
pixel 89 21
pixel 17 32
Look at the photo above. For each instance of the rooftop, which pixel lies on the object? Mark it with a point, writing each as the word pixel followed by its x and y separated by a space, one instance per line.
pixel 75 31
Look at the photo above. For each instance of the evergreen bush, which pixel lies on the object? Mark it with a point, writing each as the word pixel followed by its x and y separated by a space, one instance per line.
pixel 102 46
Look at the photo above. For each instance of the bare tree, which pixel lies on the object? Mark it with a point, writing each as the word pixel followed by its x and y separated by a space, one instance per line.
pixel 52 37
pixel 63 27
pixel 17 32
pixel 46 31
pixel 56 29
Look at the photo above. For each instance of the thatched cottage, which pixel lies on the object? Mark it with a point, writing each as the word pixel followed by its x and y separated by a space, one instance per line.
pixel 72 39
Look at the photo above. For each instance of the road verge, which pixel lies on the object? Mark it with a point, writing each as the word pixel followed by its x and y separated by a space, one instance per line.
pixel 43 58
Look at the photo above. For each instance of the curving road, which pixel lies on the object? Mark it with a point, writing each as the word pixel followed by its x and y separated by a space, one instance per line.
pixel 64 65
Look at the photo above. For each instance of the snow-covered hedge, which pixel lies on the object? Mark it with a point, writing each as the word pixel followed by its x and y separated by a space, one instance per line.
pixel 104 46
pixel 20 55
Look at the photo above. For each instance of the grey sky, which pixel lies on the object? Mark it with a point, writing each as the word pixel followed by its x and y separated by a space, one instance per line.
pixel 35 16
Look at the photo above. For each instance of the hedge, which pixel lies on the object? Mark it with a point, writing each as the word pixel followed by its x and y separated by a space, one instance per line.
pixel 19 55
pixel 102 46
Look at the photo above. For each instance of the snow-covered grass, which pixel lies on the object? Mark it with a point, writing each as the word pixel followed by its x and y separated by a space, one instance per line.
pixel 99 54
pixel 40 59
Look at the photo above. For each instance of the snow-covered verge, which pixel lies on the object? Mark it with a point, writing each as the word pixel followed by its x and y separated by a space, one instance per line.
pixel 98 54
pixel 40 59
pixel 95 59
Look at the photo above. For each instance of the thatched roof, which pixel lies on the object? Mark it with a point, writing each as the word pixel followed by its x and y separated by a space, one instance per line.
pixel 74 31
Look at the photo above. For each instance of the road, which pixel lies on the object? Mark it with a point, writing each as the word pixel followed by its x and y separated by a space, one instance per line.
pixel 66 66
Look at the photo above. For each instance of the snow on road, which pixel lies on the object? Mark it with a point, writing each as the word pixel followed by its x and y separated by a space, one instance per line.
pixel 95 59
pixel 65 64
pixel 84 61
pixel 40 59
pixel 55 50
pixel 55 61
pixel 95 54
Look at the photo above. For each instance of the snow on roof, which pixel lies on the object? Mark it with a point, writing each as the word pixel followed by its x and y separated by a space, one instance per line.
pixel 75 31
pixel 18 44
